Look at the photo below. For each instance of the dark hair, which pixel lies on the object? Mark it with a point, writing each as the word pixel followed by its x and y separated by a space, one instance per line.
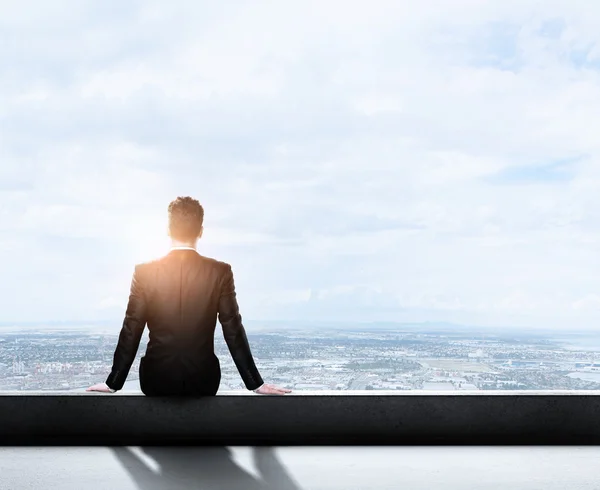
pixel 185 219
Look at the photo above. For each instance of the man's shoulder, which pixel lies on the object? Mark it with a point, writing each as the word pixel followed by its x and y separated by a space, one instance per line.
pixel 147 264
pixel 219 264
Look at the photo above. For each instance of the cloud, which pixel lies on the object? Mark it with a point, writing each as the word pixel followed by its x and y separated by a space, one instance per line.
pixel 399 161
pixel 557 171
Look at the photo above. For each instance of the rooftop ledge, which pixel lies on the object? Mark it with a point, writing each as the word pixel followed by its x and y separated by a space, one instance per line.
pixel 319 417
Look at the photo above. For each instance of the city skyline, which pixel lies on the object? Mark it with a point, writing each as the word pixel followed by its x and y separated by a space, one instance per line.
pixel 331 359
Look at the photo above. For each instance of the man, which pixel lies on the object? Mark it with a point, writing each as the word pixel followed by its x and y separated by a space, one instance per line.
pixel 180 296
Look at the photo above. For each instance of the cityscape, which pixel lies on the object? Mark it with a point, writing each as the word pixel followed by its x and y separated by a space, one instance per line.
pixel 400 357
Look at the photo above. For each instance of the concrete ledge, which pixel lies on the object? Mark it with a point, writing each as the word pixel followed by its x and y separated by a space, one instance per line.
pixel 301 418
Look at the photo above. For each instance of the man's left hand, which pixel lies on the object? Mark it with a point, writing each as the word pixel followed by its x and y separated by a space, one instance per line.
pixel 101 387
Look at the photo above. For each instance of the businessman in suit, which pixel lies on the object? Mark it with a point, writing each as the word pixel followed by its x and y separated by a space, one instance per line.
pixel 180 296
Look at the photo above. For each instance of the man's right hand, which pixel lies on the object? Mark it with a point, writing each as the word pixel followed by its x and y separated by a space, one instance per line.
pixel 268 389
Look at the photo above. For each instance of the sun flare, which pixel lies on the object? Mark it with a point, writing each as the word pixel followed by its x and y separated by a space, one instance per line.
pixel 151 240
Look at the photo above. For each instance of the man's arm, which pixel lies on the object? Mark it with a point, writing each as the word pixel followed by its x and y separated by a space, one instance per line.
pixel 235 334
pixel 131 334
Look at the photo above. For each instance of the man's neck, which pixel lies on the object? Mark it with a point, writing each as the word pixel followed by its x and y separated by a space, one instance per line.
pixel 178 244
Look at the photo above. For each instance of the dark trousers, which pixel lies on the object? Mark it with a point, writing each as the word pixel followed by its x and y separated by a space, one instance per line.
pixel 164 380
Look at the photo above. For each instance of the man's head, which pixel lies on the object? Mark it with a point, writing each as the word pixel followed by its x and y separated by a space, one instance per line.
pixel 186 216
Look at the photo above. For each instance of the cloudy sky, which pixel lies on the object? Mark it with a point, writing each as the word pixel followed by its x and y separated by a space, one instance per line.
pixel 382 160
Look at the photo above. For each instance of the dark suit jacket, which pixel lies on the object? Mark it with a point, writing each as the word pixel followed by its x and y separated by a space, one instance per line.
pixel 180 297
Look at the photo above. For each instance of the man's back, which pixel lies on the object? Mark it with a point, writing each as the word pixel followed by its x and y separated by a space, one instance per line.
pixel 180 296
pixel 183 290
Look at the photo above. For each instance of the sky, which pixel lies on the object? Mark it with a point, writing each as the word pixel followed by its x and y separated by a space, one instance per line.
pixel 365 161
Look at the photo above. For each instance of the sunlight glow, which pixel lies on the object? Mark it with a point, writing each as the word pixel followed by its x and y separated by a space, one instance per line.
pixel 149 239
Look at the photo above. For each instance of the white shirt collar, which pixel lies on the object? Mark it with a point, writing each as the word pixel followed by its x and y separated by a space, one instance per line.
pixel 184 248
